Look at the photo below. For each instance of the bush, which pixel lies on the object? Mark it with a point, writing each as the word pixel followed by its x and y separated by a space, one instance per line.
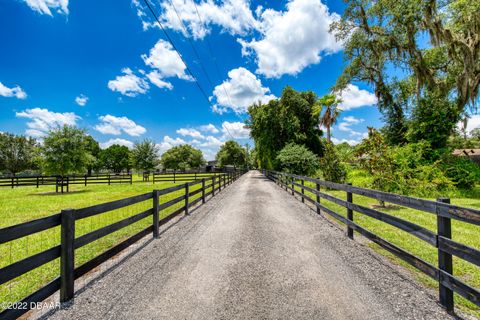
pixel 463 172
pixel 297 159
pixel 332 168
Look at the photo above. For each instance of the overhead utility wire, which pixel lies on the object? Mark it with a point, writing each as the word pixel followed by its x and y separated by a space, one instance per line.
pixel 213 57
pixel 147 3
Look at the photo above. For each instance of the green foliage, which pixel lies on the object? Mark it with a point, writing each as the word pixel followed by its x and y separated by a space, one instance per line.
pixel 345 152
pixel 64 151
pixel 116 158
pixel 297 159
pixel 463 172
pixel 231 153
pixel 292 118
pixel 331 166
pixel 93 149
pixel 182 157
pixel 17 153
pixel 145 155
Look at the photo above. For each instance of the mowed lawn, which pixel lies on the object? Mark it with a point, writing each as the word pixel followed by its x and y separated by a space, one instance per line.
pixel 464 233
pixel 28 203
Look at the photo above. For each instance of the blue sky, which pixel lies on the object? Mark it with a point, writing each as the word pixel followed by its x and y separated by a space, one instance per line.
pixel 107 67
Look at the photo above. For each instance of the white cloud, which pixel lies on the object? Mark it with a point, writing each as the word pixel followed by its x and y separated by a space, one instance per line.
pixel 166 61
pixel 232 16
pixel 292 39
pixel 128 84
pixel 43 120
pixel 209 128
pixel 44 6
pixel 241 90
pixel 16 92
pixel 168 143
pixel 347 122
pixel 351 142
pixel 122 142
pixel 235 130
pixel 81 100
pixel 211 142
pixel 190 133
pixel 115 125
pixel 353 97
pixel 156 78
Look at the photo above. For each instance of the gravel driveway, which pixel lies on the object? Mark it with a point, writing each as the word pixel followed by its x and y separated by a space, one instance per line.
pixel 254 252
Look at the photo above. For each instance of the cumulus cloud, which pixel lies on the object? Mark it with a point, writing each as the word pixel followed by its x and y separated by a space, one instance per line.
pixel 235 130
pixel 16 92
pixel 241 90
pixel 129 84
pixel 111 142
pixel 293 39
pixel 347 122
pixel 116 125
pixel 81 100
pixel 353 97
pixel 45 6
pixel 43 120
pixel 189 132
pixel 231 16
pixel 168 143
pixel 209 128
pixel 166 64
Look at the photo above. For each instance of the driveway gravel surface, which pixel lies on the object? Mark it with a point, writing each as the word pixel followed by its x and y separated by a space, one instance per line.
pixel 254 252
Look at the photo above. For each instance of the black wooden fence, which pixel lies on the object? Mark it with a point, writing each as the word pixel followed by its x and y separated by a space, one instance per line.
pixel 179 176
pixel 66 219
pixel 448 284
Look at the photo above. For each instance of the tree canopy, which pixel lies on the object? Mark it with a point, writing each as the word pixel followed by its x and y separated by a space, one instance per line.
pixel 297 159
pixel 17 153
pixel 231 153
pixel 182 157
pixel 145 155
pixel 116 158
pixel 64 151
pixel 291 118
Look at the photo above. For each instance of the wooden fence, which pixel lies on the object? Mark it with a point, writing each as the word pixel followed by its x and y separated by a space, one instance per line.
pixel 66 219
pixel 179 177
pixel 442 239
pixel 65 181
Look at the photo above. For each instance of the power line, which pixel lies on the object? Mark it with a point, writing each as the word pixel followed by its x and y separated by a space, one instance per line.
pixel 147 3
pixel 214 59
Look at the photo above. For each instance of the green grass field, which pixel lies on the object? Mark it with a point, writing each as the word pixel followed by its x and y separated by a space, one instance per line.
pixel 28 203
pixel 461 232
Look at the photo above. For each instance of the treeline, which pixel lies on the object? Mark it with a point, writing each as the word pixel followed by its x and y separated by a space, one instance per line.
pixel 69 150
pixel 422 62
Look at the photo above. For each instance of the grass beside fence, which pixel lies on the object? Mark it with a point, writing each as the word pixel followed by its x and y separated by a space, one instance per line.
pixel 28 203
pixel 465 233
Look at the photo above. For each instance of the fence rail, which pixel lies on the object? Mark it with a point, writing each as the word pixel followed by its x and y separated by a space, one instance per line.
pixel 67 220
pixel 442 239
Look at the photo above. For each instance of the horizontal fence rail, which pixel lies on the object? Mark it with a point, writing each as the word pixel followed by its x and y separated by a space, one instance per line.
pixel 67 220
pixel 442 239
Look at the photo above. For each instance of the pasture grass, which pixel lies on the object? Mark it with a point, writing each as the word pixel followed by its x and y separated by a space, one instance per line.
pixel 462 232
pixel 24 204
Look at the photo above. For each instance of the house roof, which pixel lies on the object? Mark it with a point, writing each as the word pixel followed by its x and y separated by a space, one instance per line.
pixel 467 152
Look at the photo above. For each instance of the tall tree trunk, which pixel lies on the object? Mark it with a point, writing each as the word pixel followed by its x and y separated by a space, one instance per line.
pixel 328 135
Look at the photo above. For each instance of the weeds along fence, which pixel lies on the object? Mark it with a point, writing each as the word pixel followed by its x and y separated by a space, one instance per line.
pixel 441 239
pixel 72 245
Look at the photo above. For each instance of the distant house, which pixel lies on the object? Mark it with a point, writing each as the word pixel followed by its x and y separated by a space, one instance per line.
pixel 473 154
pixel 211 165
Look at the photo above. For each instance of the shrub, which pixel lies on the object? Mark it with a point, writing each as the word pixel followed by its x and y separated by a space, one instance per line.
pixel 297 159
pixel 332 168
pixel 463 172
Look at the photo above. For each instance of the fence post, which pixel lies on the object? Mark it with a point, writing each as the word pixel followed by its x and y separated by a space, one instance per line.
pixel 68 184
pixel 349 213
pixel 203 190
pixel 213 186
pixel 109 179
pixel 318 196
pixel 131 178
pixel 293 186
pixel 444 229
pixel 67 255
pixel 174 176
pixel 37 181
pixel 155 213
pixel 186 198
pixel 303 191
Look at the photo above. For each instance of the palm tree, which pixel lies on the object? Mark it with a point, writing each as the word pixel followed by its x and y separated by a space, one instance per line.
pixel 330 102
